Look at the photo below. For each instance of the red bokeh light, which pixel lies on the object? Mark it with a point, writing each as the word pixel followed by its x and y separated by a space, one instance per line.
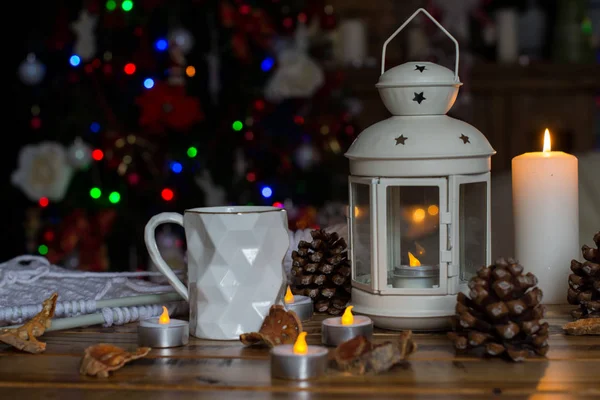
pixel 44 202
pixel 97 154
pixel 250 176
pixel 48 236
pixel 249 135
pixel 36 123
pixel 167 194
pixel 129 68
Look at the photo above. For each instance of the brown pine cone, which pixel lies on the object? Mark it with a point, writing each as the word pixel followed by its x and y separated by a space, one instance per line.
pixel 584 282
pixel 502 313
pixel 321 270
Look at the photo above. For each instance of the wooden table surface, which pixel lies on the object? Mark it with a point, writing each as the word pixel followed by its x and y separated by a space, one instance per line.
pixel 227 370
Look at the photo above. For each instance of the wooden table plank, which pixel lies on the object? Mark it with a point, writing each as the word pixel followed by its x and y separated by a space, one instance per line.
pixel 226 369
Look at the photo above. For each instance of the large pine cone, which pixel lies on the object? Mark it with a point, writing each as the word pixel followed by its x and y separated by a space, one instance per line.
pixel 321 270
pixel 502 314
pixel 584 282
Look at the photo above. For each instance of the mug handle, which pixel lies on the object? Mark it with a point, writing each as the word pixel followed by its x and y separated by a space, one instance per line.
pixel 149 238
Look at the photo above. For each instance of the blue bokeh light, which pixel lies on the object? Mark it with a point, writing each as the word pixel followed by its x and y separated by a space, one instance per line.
pixel 149 83
pixel 267 192
pixel 161 44
pixel 267 64
pixel 75 60
pixel 95 127
pixel 176 167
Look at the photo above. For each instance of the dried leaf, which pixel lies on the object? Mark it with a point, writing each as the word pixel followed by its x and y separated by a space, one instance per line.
pixel 99 359
pixel 359 356
pixel 24 337
pixel 587 326
pixel 279 327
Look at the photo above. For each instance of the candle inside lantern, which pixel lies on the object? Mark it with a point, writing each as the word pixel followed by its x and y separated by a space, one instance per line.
pixel 414 275
pixel 337 330
pixel 298 361
pixel 546 216
pixel 163 331
pixel 301 305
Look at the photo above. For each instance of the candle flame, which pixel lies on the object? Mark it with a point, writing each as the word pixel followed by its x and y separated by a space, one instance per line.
pixel 413 261
pixel 164 317
pixel 547 142
pixel 348 318
pixel 300 347
pixel 289 297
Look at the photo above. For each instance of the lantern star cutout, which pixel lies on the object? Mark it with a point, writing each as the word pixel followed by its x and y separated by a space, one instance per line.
pixel 419 97
pixel 420 68
pixel 464 138
pixel 400 140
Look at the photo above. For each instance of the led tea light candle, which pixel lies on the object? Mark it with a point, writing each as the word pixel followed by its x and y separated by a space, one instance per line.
pixel 546 210
pixel 163 332
pixel 301 305
pixel 337 330
pixel 415 275
pixel 299 361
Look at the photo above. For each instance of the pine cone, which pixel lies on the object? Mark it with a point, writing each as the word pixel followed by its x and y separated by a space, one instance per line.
pixel 584 282
pixel 502 314
pixel 321 270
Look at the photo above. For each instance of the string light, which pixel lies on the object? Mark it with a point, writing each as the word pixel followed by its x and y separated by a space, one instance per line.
pixel 161 45
pixel 176 167
pixel 43 202
pixel 95 127
pixel 114 197
pixel 148 83
pixel 192 152
pixel 111 5
pixel 43 249
pixel 75 60
pixel 266 192
pixel 97 154
pixel 167 194
pixel 129 68
pixel 267 64
pixel 95 193
pixel 127 5
pixel 237 126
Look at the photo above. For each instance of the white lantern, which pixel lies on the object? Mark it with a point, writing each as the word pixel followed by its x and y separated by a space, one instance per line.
pixel 419 200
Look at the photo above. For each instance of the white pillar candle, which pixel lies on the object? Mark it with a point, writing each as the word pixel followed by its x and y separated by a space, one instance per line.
pixel 546 212
pixel 353 37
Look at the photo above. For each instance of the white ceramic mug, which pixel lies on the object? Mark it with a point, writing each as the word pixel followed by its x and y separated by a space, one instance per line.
pixel 235 266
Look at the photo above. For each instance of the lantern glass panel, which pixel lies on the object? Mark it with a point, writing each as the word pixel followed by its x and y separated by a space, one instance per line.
pixel 472 228
pixel 361 232
pixel 413 234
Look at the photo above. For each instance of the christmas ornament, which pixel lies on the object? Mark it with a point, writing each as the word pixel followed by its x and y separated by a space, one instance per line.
pixel 502 313
pixel 79 154
pixel 43 171
pixel 85 43
pixel 168 107
pixel 214 195
pixel 321 271
pixel 584 282
pixel 31 71
pixel 182 38
pixel 297 74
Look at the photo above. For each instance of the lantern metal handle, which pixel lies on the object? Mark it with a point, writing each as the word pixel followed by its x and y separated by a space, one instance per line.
pixel 420 10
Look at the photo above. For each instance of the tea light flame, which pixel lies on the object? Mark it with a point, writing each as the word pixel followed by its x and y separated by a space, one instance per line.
pixel 289 297
pixel 164 317
pixel 348 318
pixel 547 142
pixel 413 261
pixel 300 347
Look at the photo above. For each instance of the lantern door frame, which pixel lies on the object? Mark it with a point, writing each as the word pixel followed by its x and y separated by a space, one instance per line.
pixel 372 231
pixel 454 267
pixel 382 245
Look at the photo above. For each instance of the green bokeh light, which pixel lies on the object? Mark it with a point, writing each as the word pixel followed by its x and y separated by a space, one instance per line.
pixel 192 152
pixel 111 5
pixel 43 249
pixel 114 197
pixel 95 193
pixel 237 126
pixel 127 5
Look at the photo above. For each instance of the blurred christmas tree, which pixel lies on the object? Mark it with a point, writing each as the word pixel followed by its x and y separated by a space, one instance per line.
pixel 139 107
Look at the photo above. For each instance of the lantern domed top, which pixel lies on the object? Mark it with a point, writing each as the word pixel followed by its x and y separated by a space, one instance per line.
pixel 418 88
